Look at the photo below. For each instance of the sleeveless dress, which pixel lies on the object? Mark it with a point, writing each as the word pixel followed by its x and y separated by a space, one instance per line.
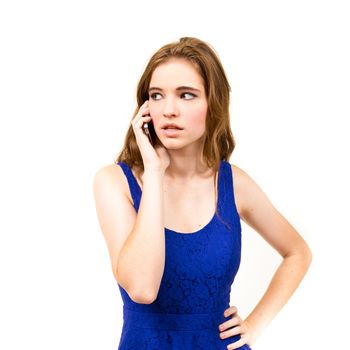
pixel 200 268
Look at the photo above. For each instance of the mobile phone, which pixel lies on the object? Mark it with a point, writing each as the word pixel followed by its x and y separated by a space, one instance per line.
pixel 146 129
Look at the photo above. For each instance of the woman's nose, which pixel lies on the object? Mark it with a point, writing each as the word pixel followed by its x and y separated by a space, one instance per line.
pixel 170 107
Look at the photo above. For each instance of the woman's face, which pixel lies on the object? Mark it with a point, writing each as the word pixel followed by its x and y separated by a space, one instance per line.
pixel 171 100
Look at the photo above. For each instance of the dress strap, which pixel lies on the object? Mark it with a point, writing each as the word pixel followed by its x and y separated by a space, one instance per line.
pixel 134 187
pixel 228 208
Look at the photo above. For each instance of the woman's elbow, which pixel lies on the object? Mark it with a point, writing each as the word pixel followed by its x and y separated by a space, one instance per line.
pixel 306 254
pixel 143 298
pixel 302 251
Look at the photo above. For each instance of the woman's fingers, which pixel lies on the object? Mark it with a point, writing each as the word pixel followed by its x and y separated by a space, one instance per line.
pixel 232 331
pixel 232 326
pixel 154 156
pixel 138 122
pixel 237 344
pixel 238 327
pixel 142 120
pixel 231 310
pixel 140 117
pixel 234 321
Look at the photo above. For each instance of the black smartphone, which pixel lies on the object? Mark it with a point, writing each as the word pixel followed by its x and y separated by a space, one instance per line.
pixel 148 130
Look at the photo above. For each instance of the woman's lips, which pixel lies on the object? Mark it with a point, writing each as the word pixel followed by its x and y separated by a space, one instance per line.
pixel 171 132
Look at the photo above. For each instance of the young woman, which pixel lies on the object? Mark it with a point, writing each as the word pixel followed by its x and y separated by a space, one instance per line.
pixel 174 260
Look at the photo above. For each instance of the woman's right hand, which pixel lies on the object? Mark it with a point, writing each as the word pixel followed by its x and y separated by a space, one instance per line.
pixel 154 158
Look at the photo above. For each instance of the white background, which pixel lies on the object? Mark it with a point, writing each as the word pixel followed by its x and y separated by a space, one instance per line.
pixel 68 76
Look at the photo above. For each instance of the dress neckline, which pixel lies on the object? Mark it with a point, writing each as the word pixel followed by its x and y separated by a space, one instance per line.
pixel 213 218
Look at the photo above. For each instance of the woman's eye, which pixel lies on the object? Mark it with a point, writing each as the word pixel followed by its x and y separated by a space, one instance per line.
pixel 152 96
pixel 188 93
pixel 185 93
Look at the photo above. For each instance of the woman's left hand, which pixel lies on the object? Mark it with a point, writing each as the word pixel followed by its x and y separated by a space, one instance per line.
pixel 239 327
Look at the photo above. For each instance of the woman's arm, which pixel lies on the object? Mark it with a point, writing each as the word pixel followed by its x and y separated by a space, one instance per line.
pixel 259 213
pixel 135 241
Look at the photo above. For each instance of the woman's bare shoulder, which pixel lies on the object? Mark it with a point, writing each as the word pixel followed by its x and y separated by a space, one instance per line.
pixel 240 176
pixel 111 170
pixel 114 174
pixel 248 194
pixel 244 187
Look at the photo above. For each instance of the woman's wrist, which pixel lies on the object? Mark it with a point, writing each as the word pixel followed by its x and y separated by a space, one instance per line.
pixel 252 331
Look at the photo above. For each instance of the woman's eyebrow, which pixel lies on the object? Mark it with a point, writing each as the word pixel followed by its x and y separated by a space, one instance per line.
pixel 177 89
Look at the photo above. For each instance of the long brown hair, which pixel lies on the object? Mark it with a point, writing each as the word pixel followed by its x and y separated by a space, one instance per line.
pixel 219 142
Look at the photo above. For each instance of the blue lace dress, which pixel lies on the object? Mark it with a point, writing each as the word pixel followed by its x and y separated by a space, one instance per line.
pixel 200 268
